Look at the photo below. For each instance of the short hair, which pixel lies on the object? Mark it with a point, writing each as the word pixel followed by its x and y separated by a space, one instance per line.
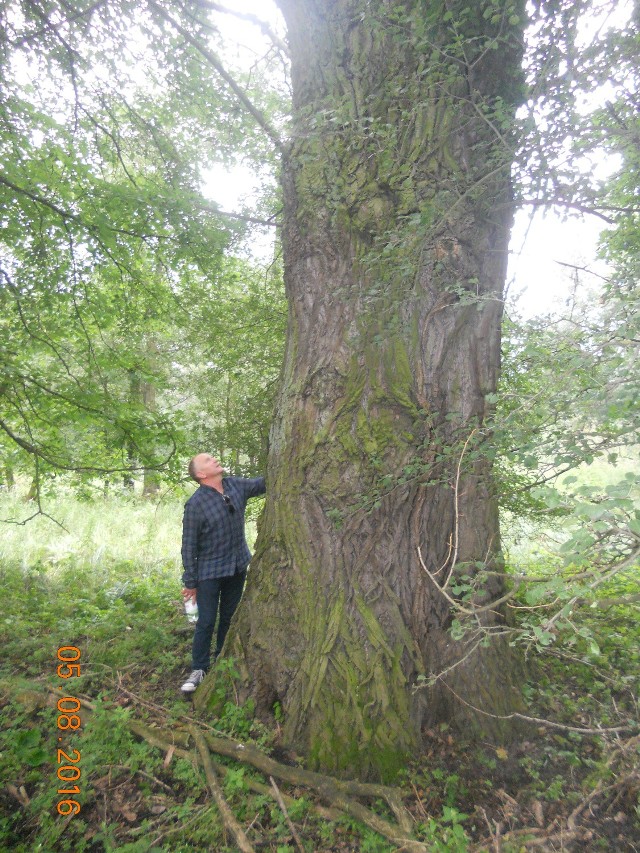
pixel 192 468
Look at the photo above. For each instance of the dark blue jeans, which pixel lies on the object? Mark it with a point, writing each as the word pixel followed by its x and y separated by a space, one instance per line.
pixel 218 593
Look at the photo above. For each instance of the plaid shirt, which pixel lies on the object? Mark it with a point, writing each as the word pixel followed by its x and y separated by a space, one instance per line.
pixel 213 543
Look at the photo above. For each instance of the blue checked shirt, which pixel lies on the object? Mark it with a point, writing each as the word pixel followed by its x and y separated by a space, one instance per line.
pixel 213 542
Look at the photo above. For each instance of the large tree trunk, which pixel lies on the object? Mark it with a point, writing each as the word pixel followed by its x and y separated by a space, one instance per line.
pixel 397 217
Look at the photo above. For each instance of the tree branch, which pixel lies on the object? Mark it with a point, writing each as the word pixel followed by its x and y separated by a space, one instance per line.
pixel 284 811
pixel 84 13
pixel 215 63
pixel 246 16
pixel 252 220
pixel 37 452
pixel 339 792
pixel 540 721
pixel 66 215
pixel 581 208
pixel 228 817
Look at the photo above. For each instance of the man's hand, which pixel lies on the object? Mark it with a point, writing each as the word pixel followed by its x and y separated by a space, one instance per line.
pixel 189 594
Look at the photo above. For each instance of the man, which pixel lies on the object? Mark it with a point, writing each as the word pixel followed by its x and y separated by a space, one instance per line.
pixel 215 555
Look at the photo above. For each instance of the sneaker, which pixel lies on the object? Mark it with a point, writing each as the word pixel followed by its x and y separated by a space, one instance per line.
pixel 192 682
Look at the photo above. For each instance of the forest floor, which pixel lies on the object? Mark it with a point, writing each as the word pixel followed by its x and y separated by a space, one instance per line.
pixel 555 789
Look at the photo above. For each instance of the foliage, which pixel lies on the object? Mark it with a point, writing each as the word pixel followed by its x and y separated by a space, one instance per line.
pixel 582 83
pixel 108 248
pixel 567 402
pixel 229 365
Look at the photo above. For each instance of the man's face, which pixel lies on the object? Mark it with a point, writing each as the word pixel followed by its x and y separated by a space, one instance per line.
pixel 208 466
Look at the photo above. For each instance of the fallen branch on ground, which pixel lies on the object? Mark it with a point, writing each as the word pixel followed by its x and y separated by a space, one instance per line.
pixel 284 811
pixel 339 793
pixel 227 815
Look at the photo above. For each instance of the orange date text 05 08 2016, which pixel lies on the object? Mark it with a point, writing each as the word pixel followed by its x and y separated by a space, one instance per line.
pixel 68 720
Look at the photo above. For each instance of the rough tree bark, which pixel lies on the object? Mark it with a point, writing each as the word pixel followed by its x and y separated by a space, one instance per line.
pixel 397 218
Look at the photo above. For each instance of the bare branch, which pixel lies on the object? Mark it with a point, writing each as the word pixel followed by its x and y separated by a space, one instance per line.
pixel 229 819
pixel 583 269
pixel 539 721
pixel 581 208
pixel 284 811
pixel 456 604
pixel 457 508
pixel 253 220
pixel 246 16
pixel 59 464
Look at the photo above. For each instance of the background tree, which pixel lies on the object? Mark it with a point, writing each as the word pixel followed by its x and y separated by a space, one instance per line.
pixel 568 394
pixel 227 362
pixel 107 244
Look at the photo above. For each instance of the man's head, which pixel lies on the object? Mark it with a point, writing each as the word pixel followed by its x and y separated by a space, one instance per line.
pixel 204 467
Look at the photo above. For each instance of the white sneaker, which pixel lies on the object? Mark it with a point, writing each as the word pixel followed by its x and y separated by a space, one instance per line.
pixel 192 682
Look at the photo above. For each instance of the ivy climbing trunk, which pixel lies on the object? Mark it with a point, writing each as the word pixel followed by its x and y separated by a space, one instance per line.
pixel 396 225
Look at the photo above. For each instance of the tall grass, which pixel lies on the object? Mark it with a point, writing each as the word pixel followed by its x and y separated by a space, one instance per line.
pixel 102 532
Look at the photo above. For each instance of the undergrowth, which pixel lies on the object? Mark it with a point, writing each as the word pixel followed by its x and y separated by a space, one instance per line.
pixel 115 596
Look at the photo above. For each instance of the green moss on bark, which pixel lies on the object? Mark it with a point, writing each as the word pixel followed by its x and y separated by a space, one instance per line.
pixel 393 170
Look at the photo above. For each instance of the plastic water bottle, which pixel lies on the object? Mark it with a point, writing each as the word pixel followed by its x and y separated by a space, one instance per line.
pixel 191 609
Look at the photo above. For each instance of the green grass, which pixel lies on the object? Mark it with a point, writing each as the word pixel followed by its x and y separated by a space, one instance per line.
pixel 108 531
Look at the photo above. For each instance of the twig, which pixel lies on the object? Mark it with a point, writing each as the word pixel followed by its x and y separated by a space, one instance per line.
pixel 561 837
pixel 261 788
pixel 244 16
pixel 159 709
pixel 495 836
pixel 516 715
pixel 423 811
pixel 456 604
pixel 457 508
pixel 252 220
pixel 435 678
pixel 20 794
pixel 284 811
pixel 447 557
pixel 184 824
pixel 571 820
pixel 142 773
pixel 228 817
pixel 57 691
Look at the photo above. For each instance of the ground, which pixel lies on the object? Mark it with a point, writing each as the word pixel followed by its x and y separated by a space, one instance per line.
pixel 554 789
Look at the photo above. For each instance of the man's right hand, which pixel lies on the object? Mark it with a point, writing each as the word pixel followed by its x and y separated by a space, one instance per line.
pixel 189 594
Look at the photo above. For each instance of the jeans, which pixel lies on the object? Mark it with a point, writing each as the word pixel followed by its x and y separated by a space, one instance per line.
pixel 225 593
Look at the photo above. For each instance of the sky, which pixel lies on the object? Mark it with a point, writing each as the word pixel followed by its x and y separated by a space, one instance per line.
pixel 544 246
pixel 540 278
